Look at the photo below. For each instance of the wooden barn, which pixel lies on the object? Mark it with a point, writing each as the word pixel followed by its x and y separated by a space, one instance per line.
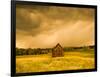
pixel 57 51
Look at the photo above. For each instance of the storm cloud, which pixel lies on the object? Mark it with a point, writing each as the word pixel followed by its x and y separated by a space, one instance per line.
pixel 45 26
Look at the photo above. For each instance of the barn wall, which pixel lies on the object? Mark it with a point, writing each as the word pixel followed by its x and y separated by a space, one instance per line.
pixel 57 52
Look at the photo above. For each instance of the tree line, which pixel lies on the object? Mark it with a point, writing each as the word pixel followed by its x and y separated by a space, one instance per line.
pixel 29 51
pixel 38 51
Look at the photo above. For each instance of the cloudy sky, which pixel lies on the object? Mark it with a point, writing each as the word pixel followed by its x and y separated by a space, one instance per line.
pixel 45 26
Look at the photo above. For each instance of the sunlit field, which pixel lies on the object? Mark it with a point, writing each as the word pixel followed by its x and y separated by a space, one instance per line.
pixel 72 60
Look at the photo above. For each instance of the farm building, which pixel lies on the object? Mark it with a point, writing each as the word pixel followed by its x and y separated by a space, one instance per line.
pixel 57 51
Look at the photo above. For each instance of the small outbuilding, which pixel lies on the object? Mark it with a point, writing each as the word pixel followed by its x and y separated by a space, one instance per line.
pixel 57 51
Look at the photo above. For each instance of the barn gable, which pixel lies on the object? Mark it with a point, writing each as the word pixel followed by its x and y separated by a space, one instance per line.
pixel 57 51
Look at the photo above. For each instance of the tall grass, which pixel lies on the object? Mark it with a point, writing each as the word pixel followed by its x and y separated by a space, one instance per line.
pixel 40 63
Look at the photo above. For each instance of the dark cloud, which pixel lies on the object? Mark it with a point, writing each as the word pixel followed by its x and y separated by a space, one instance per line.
pixel 37 22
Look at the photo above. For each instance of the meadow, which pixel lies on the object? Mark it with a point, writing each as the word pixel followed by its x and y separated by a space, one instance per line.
pixel 72 60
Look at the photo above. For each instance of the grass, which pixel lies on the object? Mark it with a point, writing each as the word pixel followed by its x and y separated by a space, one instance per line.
pixel 72 60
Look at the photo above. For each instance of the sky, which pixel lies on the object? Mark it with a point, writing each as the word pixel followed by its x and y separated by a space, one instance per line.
pixel 40 26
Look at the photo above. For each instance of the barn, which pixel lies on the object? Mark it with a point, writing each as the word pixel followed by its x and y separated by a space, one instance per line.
pixel 57 51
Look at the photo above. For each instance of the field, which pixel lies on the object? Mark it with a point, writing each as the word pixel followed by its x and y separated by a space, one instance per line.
pixel 72 60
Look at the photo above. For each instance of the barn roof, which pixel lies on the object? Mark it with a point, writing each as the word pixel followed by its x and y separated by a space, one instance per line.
pixel 58 45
